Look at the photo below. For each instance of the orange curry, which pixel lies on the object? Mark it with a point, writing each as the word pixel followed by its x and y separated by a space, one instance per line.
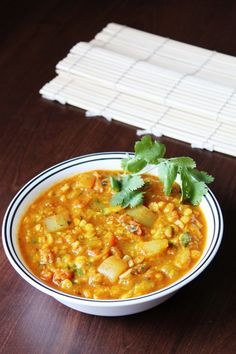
pixel 74 240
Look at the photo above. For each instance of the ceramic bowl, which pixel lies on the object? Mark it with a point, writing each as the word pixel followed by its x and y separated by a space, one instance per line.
pixel 69 168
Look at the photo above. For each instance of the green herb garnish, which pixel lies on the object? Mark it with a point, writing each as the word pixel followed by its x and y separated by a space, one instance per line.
pixel 79 272
pixel 185 239
pixel 149 153
pixel 129 193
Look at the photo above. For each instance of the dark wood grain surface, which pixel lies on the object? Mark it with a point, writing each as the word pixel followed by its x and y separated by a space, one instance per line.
pixel 35 134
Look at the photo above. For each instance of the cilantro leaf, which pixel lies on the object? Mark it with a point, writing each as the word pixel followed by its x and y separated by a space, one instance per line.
pixel 118 198
pixel 201 176
pixel 125 162
pixel 133 165
pixel 126 199
pixel 192 191
pixel 129 188
pixel 167 174
pixel 136 199
pixel 148 150
pixel 131 183
pixel 199 189
pixel 186 184
pixel 129 193
pixel 183 162
pixel 115 184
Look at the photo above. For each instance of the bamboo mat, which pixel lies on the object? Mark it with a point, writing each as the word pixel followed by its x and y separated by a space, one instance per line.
pixel 161 86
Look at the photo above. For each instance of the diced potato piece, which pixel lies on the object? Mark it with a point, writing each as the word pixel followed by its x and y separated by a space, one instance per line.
pixel 143 215
pixel 56 222
pixel 86 181
pixel 169 270
pixel 183 258
pixel 111 210
pixel 112 267
pixel 144 287
pixel 195 254
pixel 154 247
pixel 129 248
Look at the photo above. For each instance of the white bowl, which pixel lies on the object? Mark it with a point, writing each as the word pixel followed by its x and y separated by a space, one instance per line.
pixel 66 169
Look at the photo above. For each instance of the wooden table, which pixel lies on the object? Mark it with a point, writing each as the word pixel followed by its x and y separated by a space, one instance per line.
pixel 36 134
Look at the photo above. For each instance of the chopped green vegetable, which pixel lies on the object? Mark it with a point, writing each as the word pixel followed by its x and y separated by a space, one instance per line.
pixel 79 272
pixel 104 182
pixel 115 184
pixel 185 239
pixel 133 228
pixel 147 152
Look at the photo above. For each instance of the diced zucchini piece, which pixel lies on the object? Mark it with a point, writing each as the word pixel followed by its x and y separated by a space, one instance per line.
pixel 112 267
pixel 183 258
pixel 112 210
pixel 154 247
pixel 56 222
pixel 143 287
pixel 86 181
pixel 128 248
pixel 169 270
pixel 143 215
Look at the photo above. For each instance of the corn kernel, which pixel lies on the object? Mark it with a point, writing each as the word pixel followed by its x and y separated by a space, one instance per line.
pixel 168 231
pixel 139 259
pixel 154 206
pixel 179 223
pixel 37 227
pixel 199 225
pixel 87 293
pixel 65 187
pixel 80 261
pixel 66 284
pixel 195 254
pixel 83 223
pixel 130 263
pixel 75 245
pixel 49 239
pixel 161 205
pixel 187 211
pixel 173 216
pixel 169 207
pixel 126 258
pixel 159 276
pixel 185 219
pixel 66 258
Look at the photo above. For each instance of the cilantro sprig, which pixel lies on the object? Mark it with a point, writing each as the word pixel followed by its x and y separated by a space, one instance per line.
pixel 129 192
pixel 149 153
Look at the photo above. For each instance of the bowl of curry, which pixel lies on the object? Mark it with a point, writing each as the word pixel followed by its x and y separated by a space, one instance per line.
pixel 63 236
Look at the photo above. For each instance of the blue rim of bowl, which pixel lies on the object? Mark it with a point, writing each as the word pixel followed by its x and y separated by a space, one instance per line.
pixel 21 195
